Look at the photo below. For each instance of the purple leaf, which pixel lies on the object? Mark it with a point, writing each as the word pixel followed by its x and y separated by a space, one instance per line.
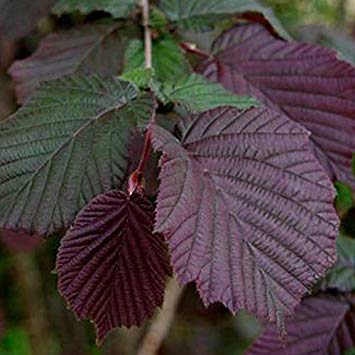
pixel 246 208
pixel 20 241
pixel 304 81
pixel 19 17
pixel 111 267
pixel 322 326
pixel 86 49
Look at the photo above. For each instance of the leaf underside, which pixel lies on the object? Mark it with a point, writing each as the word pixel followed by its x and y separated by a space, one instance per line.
pixel 85 49
pixel 246 208
pixel 67 145
pixel 322 325
pixel 304 81
pixel 111 267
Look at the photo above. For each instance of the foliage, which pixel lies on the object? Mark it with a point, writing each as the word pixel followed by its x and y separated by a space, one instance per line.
pixel 249 147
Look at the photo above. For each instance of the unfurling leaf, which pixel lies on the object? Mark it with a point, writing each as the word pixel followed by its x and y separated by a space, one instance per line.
pixel 68 144
pixel 246 208
pixel 86 49
pixel 169 62
pixel 111 267
pixel 342 276
pixel 322 325
pixel 19 17
pixel 304 81
pixel 202 14
pixel 118 9
pixel 196 94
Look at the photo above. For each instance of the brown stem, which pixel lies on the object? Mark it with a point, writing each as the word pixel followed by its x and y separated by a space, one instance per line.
pixel 147 34
pixel 162 323
pixel 191 48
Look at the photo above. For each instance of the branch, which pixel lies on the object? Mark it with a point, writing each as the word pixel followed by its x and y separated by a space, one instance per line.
pixel 162 323
pixel 147 34
pixel 191 48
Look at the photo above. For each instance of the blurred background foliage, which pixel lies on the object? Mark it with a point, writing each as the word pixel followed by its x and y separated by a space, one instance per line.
pixel 33 317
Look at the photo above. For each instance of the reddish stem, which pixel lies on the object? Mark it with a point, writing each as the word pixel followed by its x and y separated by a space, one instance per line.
pixel 136 179
pixel 191 48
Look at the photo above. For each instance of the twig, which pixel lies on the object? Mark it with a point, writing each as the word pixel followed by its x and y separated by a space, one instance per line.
pixel 162 323
pixel 191 48
pixel 147 34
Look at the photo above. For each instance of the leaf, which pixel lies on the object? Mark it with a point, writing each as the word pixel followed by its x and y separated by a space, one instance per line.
pixel 344 199
pixel 118 9
pixel 246 208
pixel 20 241
pixel 169 62
pixel 19 17
pixel 202 14
pixel 304 81
pixel 68 144
pixel 111 267
pixel 322 325
pixel 342 276
pixel 140 77
pixel 196 94
pixel 7 102
pixel 86 49
pixel 326 37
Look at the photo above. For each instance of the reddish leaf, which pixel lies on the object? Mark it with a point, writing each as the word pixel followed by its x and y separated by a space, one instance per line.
pixel 111 267
pixel 86 49
pixel 321 326
pixel 304 81
pixel 20 241
pixel 18 17
pixel 246 208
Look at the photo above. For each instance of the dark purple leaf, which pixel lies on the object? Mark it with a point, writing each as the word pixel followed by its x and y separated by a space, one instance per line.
pixel 322 326
pixel 86 49
pixel 20 241
pixel 111 267
pixel 304 81
pixel 18 17
pixel 246 208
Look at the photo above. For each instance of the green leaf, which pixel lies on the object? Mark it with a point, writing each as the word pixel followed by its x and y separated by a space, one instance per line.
pixel 117 8
pixel 342 275
pixel 344 199
pixel 158 19
pixel 196 94
pixel 169 62
pixel 140 77
pixel 68 144
pixel 203 14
